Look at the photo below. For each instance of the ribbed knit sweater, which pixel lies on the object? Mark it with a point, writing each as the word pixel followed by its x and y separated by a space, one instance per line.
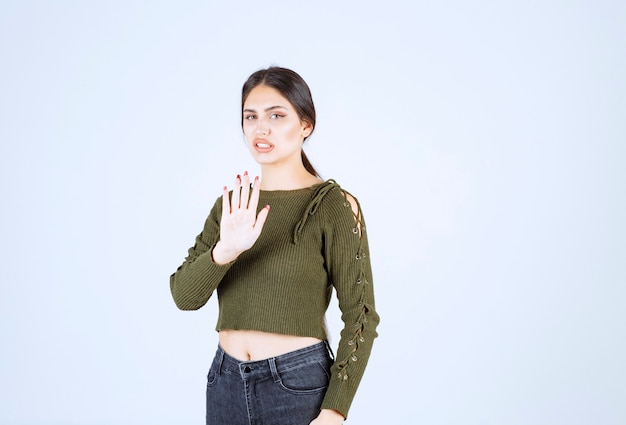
pixel 311 242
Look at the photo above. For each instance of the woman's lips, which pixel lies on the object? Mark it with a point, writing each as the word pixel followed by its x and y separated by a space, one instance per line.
pixel 262 145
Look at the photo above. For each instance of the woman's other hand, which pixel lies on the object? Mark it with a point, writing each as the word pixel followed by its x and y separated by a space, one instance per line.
pixel 328 417
pixel 240 226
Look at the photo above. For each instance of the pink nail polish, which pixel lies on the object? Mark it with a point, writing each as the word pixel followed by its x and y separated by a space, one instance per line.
pixel 245 173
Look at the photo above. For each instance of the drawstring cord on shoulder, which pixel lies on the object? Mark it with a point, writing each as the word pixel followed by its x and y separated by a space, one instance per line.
pixel 311 208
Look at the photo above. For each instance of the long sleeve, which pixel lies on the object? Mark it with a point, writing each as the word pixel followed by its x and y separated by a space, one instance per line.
pixel 349 267
pixel 195 280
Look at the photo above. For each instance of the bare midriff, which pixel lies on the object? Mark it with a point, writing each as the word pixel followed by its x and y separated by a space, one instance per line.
pixel 256 345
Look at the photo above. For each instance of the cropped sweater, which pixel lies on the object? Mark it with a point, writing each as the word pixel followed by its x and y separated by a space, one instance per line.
pixel 312 242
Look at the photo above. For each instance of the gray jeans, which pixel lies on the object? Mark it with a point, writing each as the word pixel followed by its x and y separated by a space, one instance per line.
pixel 282 390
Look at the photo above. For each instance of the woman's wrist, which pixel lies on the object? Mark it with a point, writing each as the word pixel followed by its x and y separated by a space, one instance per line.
pixel 223 256
pixel 332 415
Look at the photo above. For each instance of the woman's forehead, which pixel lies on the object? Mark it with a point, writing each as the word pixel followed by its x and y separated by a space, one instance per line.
pixel 263 97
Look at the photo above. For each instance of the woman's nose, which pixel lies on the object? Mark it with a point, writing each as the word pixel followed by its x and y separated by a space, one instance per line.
pixel 262 128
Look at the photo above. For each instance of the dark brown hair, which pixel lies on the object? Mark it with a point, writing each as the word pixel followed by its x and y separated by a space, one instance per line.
pixel 292 87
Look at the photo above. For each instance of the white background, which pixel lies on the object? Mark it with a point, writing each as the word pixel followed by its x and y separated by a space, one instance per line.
pixel 485 141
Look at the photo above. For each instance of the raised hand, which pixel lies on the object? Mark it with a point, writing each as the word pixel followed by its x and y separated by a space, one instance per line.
pixel 240 225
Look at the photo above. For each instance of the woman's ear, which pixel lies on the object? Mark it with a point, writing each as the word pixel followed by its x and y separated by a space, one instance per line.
pixel 307 129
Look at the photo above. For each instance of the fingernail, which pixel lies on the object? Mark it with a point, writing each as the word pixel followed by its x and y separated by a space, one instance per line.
pixel 238 177
pixel 245 173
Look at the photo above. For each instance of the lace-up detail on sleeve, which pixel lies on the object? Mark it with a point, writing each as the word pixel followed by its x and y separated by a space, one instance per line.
pixel 361 281
pixel 347 256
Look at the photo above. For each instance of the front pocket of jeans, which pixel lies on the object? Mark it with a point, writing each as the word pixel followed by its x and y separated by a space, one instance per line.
pixel 310 378
pixel 211 378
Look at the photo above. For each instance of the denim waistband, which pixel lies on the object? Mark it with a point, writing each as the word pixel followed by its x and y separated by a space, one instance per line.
pixel 319 352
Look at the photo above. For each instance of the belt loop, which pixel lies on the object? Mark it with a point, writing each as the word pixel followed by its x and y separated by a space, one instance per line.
pixel 220 360
pixel 330 350
pixel 272 363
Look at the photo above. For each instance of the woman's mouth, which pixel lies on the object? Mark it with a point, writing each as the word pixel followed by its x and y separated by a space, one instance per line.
pixel 263 145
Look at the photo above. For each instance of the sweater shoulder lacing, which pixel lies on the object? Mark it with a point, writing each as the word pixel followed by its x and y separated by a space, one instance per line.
pixel 357 338
pixel 311 208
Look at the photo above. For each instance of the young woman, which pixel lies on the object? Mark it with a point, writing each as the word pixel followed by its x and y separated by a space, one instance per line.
pixel 274 248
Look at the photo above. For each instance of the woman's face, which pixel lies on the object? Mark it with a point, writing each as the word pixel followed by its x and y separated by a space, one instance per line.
pixel 273 128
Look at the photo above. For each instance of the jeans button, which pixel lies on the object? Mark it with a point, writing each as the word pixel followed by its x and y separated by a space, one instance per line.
pixel 247 369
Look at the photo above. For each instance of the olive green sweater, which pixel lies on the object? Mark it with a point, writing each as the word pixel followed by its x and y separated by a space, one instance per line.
pixel 311 242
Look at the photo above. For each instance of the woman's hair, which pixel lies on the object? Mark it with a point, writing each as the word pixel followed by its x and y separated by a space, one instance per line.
pixel 292 87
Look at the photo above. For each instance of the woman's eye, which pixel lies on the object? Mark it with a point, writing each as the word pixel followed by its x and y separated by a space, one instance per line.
pixel 276 116
pixel 249 117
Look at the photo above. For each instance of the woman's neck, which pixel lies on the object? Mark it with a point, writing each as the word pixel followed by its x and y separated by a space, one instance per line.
pixel 282 178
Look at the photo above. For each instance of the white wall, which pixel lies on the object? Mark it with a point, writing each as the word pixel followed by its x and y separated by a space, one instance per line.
pixel 485 141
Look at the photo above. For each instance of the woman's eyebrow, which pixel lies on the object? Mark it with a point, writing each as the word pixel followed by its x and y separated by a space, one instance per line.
pixel 271 108
pixel 275 107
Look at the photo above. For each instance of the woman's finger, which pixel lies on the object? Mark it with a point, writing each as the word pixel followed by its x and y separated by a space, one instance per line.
pixel 254 197
pixel 260 220
pixel 245 191
pixel 225 203
pixel 234 203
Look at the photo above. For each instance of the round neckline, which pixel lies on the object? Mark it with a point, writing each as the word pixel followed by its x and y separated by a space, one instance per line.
pixel 291 191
